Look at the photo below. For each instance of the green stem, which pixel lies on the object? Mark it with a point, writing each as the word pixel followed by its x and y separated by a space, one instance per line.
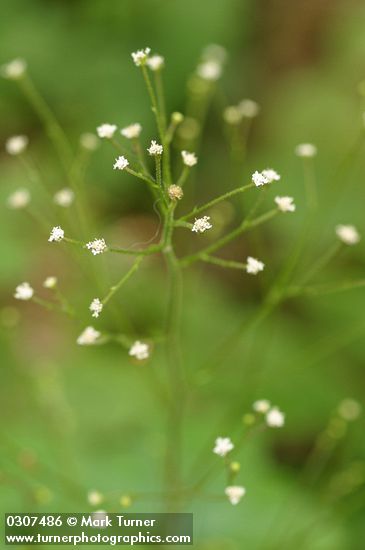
pixel 141 252
pixel 183 176
pixel 124 279
pixel 215 201
pixel 153 99
pixel 223 263
pixel 320 290
pixel 321 262
pixel 142 177
pixel 310 184
pixel 174 361
pixel 53 128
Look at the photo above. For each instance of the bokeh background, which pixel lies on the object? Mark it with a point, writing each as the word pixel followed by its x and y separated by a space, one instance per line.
pixel 76 419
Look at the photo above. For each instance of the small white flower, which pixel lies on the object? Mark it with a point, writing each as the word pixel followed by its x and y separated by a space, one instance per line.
pixel 189 159
pixel 19 199
pixel 14 69
pixel 306 150
pixel 132 131
pixel 348 234
pixel 249 108
pixel 88 337
pixel 155 62
pixel 97 246
pixel 261 406
pixel 285 204
pixel 202 224
pixel 275 418
pixel 89 141
pixel 155 148
pixel 271 175
pixel 57 234
pixel 139 350
pixel 223 446
pixel 16 145
pixel 254 266
pixel 120 163
pixel 23 292
pixel 232 114
pixel 106 130
pixel 96 307
pixel 94 498
pixel 349 409
pixel 259 179
pixel 50 282
pixel 64 197
pixel 264 177
pixel 140 57
pixel 210 70
pixel 234 493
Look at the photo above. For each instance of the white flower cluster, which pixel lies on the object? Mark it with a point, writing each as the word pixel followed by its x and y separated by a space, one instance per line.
pixel 132 131
pixel 273 416
pixel 19 199
pixel 201 225
pixel 223 446
pixel 24 292
pixel 57 234
pixel 254 266
pixel 94 498
pixel 120 163
pixel 139 350
pixel 89 141
pixel 155 62
pixel 210 70
pixel 348 234
pixel 189 159
pixel 97 246
pixel 106 130
pixel 235 493
pixel 247 108
pixel 88 337
pixel 14 70
pixel 50 282
pixel 306 150
pixel 266 176
pixel 140 56
pixel 64 197
pixel 285 204
pixel 16 145
pixel 96 307
pixel 155 149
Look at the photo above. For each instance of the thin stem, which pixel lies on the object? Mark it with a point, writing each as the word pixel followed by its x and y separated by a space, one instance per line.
pixel 174 361
pixel 158 171
pixel 153 99
pixel 320 290
pixel 215 201
pixel 142 177
pixel 183 176
pixel 223 263
pixel 123 280
pixel 310 183
pixel 141 252
pixel 136 144
pixel 321 262
pixel 245 226
pixel 53 128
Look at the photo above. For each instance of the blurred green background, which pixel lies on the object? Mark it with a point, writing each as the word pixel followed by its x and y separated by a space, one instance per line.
pixel 75 419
